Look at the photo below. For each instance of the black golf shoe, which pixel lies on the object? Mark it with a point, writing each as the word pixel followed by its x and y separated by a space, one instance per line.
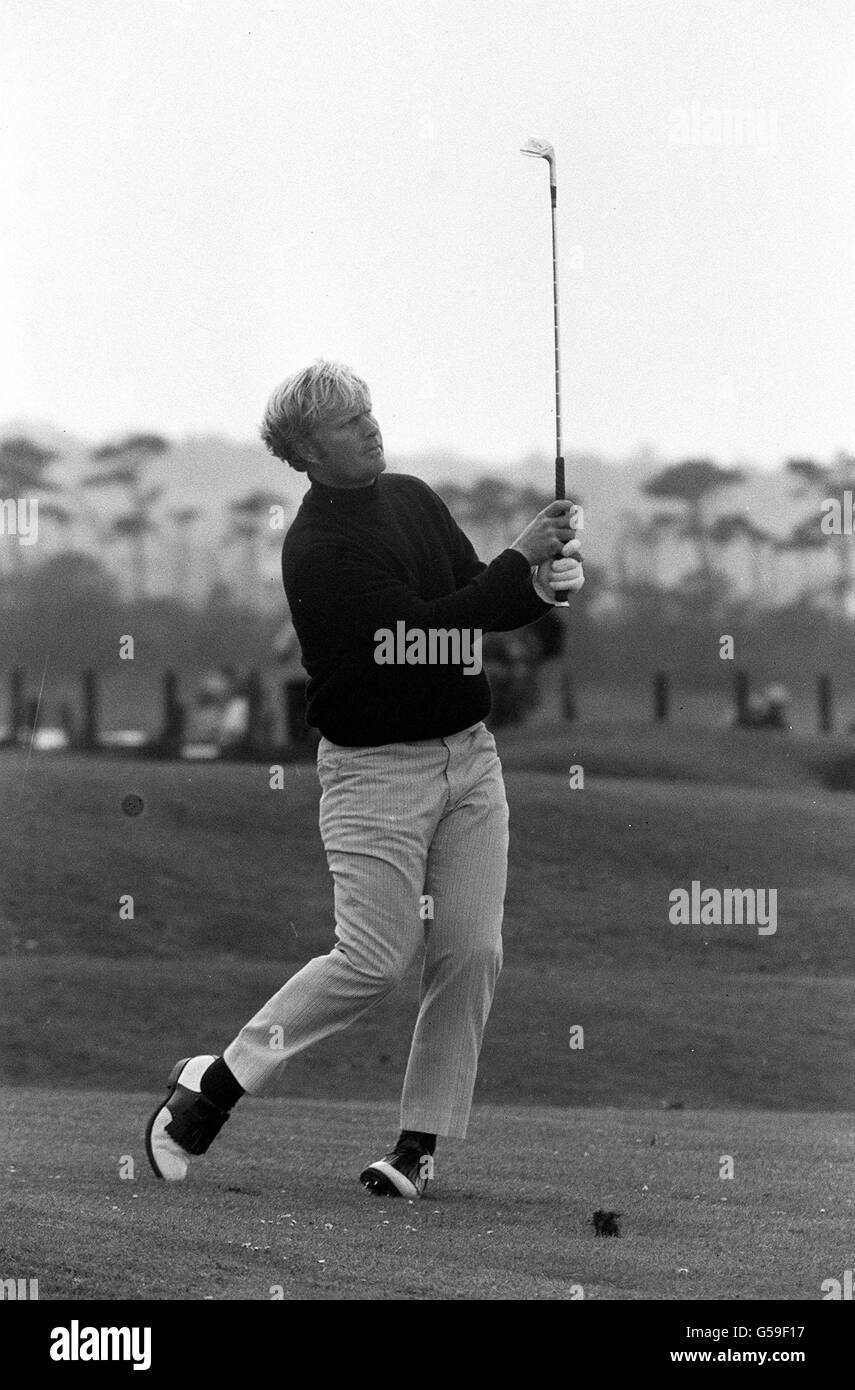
pixel 185 1123
pixel 405 1172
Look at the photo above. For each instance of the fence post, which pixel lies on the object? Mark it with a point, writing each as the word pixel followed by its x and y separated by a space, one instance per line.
pixel 294 709
pixel 66 719
pixel 825 703
pixel 741 694
pixel 255 721
pixel 172 729
pixel 89 736
pixel 16 701
pixel 661 693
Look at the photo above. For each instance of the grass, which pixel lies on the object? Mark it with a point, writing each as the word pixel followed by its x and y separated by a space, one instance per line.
pixel 276 1203
pixel 219 863
pixel 699 1042
pixel 232 895
pixel 633 748
pixel 651 1038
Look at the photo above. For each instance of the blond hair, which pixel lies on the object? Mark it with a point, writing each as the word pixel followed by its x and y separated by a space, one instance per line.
pixel 303 400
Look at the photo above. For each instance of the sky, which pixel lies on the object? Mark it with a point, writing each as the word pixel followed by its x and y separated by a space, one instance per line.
pixel 198 197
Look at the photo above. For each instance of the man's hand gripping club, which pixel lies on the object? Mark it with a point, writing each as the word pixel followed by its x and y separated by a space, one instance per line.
pixel 550 543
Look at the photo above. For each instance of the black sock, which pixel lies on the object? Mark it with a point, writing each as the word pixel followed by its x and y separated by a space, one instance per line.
pixel 219 1086
pixel 415 1137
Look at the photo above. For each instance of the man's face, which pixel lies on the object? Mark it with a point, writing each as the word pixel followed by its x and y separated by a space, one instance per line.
pixel 347 449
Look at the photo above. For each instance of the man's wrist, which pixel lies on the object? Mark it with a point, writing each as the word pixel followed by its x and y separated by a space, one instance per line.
pixel 548 595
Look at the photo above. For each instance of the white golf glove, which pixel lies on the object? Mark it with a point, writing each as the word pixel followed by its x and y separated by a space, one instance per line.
pixel 565 572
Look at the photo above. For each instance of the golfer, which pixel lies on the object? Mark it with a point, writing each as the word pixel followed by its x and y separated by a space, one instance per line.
pixel 389 601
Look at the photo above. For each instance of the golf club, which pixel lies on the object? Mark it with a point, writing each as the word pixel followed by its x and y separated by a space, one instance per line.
pixel 541 149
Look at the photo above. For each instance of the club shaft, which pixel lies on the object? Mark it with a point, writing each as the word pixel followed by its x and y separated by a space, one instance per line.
pixel 543 149
pixel 559 453
pixel 561 595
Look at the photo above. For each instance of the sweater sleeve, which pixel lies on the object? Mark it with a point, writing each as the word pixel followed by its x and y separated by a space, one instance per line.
pixel 348 594
pixel 467 567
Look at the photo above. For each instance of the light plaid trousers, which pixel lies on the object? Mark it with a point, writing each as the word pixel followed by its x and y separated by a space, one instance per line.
pixel 416 838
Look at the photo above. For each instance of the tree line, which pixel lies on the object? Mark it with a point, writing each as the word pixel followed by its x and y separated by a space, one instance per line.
pixel 69 601
pixel 119 473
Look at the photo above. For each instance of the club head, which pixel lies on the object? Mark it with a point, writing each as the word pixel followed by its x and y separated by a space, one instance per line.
pixel 541 149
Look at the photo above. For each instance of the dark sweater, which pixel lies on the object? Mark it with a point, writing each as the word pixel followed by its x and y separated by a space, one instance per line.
pixel 357 560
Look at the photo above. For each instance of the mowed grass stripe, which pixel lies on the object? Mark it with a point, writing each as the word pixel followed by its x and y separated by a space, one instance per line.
pixel 232 895
pixel 220 863
pixel 651 1037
